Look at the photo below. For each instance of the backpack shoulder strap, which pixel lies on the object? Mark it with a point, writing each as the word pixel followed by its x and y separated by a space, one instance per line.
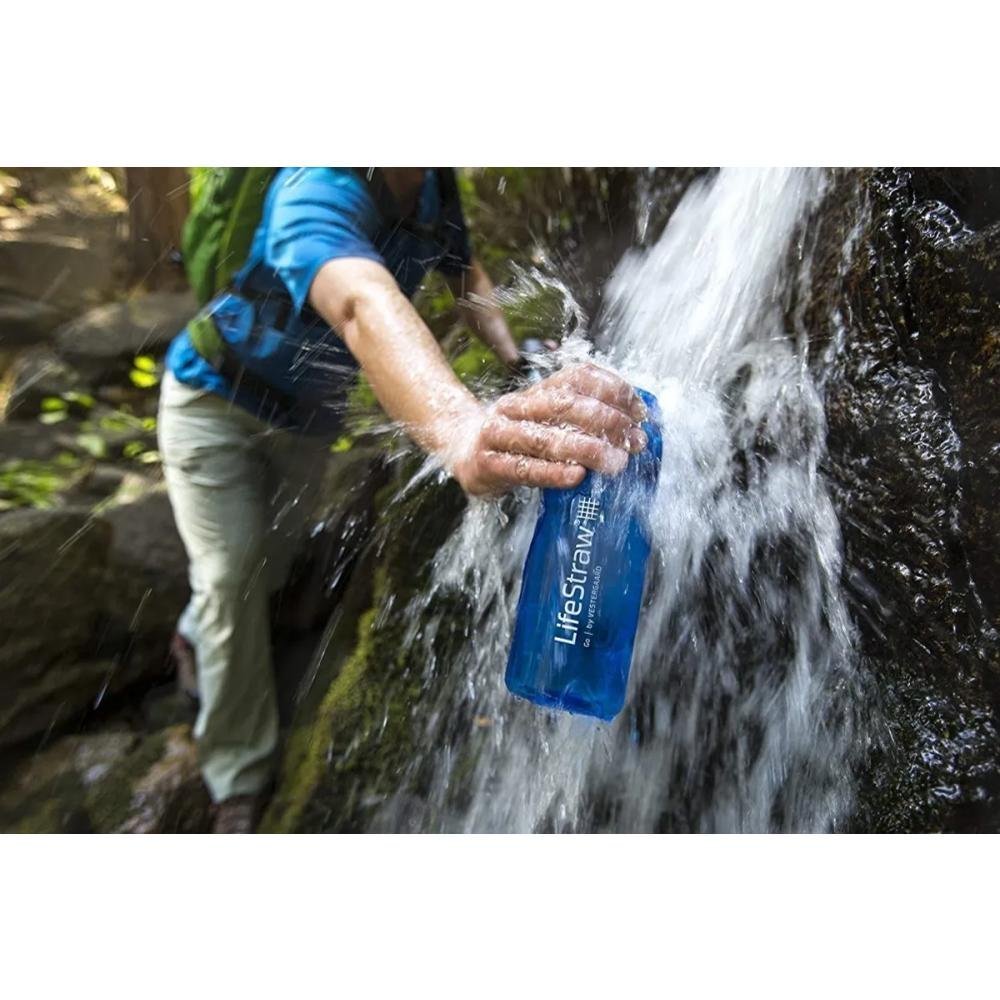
pixel 385 200
pixel 388 207
pixel 447 186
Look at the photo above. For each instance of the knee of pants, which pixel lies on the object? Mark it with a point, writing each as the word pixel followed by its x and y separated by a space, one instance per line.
pixel 230 571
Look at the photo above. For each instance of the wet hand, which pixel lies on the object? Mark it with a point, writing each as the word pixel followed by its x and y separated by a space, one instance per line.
pixel 548 435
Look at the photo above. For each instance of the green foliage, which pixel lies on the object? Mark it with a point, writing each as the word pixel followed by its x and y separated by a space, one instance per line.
pixel 56 409
pixel 145 372
pixel 93 444
pixel 474 362
pixel 82 399
pixel 28 483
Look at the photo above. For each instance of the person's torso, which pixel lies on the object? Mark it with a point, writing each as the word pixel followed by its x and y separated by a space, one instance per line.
pixel 293 369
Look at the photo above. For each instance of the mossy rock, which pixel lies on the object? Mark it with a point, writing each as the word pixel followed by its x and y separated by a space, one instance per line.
pixel 107 782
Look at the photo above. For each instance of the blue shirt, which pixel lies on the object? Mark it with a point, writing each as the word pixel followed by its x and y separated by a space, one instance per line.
pixel 312 215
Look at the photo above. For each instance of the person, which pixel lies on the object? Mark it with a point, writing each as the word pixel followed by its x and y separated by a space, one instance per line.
pixel 244 422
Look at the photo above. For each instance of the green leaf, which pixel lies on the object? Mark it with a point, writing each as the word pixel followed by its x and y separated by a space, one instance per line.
pixel 55 417
pixel 145 363
pixel 132 449
pixel 343 443
pixel 93 444
pixel 142 379
pixel 50 404
pixel 149 457
pixel 83 399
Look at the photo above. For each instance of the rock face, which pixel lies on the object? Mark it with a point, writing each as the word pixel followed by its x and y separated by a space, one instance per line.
pixel 147 573
pixel 904 334
pixel 31 442
pixel 35 373
pixel 25 321
pixel 98 342
pixel 111 782
pixel 87 606
pixel 912 424
pixel 52 594
pixel 60 275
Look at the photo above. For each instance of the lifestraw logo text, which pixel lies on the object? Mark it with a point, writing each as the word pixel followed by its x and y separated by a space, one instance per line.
pixel 574 587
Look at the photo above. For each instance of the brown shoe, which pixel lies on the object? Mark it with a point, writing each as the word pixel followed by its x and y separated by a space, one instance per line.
pixel 238 814
pixel 182 653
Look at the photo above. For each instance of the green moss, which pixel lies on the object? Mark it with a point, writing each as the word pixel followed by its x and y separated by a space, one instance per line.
pixel 349 745
pixel 109 801
pixel 308 750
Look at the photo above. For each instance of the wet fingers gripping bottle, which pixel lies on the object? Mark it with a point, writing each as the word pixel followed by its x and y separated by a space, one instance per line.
pixel 582 586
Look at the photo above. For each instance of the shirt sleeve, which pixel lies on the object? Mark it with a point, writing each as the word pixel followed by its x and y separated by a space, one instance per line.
pixel 317 214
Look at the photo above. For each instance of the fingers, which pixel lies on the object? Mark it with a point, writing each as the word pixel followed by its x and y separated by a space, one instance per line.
pixel 583 417
pixel 503 470
pixel 564 407
pixel 555 444
pixel 589 380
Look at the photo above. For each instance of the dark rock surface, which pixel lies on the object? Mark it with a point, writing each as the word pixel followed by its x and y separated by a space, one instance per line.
pixel 52 594
pixel 911 402
pixel 87 606
pixel 117 781
pixel 32 442
pixel 35 374
pixel 65 272
pixel 25 321
pixel 147 574
pixel 904 335
pixel 100 341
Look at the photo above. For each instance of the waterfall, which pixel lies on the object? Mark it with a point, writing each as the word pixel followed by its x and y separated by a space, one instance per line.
pixel 745 708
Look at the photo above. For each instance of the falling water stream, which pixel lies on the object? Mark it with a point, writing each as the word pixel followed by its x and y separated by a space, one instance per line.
pixel 746 708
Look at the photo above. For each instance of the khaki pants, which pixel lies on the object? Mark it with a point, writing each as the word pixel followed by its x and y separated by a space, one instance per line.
pixel 242 495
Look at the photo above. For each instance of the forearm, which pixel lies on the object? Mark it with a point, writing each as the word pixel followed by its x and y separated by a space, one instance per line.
pixel 547 435
pixel 477 305
pixel 403 363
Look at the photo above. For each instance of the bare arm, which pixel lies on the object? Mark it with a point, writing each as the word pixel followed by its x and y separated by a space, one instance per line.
pixel 580 418
pixel 474 292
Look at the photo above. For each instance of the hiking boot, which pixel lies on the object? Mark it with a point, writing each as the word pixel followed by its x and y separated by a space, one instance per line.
pixel 183 655
pixel 238 814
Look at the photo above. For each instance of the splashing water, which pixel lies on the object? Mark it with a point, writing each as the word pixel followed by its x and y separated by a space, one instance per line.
pixel 744 709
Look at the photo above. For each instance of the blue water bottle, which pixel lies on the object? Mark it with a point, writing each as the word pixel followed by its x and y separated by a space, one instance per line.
pixel 582 586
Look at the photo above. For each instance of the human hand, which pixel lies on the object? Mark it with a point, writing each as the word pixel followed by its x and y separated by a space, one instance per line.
pixel 582 417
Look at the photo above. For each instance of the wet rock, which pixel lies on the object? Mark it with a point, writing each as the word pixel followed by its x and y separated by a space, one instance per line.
pixel 47 792
pixel 954 291
pixel 911 410
pixel 357 723
pixel 26 321
pixel 87 606
pixel 102 340
pixel 66 273
pixel 98 482
pixel 110 782
pixel 56 698
pixel 147 572
pixel 35 374
pixel 166 705
pixel 51 585
pixel 170 797
pixel 26 441
pixel 52 591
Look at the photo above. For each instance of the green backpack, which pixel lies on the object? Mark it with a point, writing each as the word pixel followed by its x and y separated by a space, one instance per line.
pixel 226 205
